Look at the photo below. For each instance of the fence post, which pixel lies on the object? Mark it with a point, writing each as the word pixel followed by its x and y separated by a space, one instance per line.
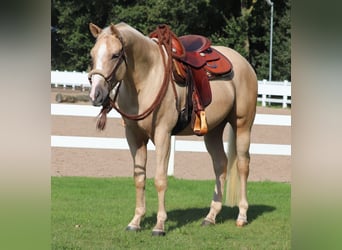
pixel 171 166
pixel 285 96
pixel 56 84
pixel 263 97
pixel 73 85
pixel 64 84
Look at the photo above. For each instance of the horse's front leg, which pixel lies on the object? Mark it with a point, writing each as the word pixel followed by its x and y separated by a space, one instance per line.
pixel 162 143
pixel 138 147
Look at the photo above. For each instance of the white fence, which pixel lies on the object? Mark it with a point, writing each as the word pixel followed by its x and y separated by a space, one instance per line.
pixel 268 92
pixel 274 92
pixel 177 145
pixel 69 79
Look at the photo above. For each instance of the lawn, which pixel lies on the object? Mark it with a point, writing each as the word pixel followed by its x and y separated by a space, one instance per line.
pixel 92 213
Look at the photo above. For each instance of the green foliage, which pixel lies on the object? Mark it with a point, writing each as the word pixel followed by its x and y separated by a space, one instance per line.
pixel 92 213
pixel 282 40
pixel 242 25
pixel 259 36
pixel 234 35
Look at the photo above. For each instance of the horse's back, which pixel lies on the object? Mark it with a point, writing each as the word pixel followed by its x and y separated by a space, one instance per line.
pixel 243 71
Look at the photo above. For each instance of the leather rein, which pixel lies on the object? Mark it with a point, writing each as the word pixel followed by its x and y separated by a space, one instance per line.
pixel 162 40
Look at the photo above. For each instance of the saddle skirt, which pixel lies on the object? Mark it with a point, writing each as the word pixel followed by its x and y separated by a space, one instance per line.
pixel 198 53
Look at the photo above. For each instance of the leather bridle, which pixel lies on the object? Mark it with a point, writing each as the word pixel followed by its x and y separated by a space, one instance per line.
pixel 109 103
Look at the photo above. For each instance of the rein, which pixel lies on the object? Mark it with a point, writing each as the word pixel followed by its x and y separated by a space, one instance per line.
pixel 164 39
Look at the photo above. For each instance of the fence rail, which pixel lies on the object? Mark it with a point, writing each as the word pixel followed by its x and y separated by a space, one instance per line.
pixel 58 141
pixel 268 92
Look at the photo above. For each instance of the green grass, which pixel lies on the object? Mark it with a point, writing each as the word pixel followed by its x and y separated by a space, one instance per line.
pixel 92 213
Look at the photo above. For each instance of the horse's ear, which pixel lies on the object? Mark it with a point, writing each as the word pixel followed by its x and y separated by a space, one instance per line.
pixel 94 29
pixel 115 31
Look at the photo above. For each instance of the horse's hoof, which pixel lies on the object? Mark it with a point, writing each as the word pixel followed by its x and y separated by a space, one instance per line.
pixel 133 229
pixel 241 223
pixel 207 223
pixel 158 233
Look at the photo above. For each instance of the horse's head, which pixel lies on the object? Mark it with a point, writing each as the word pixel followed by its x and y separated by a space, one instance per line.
pixel 108 62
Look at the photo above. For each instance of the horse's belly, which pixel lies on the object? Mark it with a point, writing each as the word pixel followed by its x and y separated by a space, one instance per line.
pixel 222 102
pixel 221 105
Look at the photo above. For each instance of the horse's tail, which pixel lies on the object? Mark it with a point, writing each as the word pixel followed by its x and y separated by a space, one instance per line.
pixel 233 178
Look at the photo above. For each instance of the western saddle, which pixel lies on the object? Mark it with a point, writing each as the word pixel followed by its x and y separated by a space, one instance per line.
pixel 194 63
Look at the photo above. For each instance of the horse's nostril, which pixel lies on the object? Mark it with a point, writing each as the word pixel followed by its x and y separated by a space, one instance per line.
pixel 97 102
pixel 98 95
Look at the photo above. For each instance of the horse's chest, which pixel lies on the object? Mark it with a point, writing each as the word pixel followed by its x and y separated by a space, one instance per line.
pixel 140 127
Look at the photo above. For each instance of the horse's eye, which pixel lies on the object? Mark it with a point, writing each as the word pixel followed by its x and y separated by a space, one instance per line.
pixel 115 56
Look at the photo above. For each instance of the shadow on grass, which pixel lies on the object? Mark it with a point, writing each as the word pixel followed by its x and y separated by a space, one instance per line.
pixel 182 217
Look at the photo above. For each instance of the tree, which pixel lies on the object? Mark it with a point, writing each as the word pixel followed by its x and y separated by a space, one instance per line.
pixel 259 26
pixel 234 34
pixel 282 43
pixel 239 24
pixel 183 17
pixel 72 34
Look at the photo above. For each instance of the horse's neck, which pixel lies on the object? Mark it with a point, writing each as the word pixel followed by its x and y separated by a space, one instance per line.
pixel 144 73
pixel 144 63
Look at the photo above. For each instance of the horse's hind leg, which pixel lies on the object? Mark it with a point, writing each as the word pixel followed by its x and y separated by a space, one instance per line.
pixel 214 145
pixel 243 159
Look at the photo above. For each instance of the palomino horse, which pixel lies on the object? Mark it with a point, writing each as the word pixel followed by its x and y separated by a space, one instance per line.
pixel 150 102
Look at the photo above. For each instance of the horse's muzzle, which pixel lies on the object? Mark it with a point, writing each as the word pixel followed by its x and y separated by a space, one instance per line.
pixel 99 96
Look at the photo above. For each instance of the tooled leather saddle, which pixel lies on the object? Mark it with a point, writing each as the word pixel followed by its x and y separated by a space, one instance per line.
pixel 195 62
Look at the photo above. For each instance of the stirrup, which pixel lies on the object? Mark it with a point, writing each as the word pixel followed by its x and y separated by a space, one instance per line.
pixel 200 124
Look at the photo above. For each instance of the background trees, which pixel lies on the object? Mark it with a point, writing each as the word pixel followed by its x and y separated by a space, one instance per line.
pixel 242 25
